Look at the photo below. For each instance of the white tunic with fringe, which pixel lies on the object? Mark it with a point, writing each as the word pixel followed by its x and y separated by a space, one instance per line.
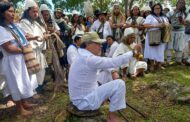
pixel 36 29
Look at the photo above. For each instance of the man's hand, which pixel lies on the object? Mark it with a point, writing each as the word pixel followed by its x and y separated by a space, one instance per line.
pixel 115 75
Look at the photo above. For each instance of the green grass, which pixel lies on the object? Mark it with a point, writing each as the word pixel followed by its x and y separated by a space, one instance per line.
pixel 150 101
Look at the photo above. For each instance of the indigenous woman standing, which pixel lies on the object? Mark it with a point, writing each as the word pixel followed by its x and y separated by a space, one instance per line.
pixel 14 67
pixel 154 48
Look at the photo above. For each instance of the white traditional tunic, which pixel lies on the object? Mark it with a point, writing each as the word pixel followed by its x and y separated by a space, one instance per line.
pixel 36 29
pixel 84 91
pixel 106 29
pixel 72 53
pixel 133 64
pixel 139 21
pixel 14 69
pixel 153 52
pixel 111 50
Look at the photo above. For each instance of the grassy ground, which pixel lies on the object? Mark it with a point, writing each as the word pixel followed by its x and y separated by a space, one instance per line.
pixel 151 101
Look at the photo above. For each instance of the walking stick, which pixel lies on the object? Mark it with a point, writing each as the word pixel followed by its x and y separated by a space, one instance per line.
pixel 136 110
pixel 119 111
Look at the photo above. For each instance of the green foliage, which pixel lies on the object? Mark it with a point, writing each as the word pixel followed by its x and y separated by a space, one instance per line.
pixel 101 4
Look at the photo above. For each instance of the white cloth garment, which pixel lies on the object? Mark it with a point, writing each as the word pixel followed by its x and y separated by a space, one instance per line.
pixel 3 84
pixel 111 50
pixel 105 76
pixel 153 52
pixel 133 64
pixel 14 70
pixel 84 91
pixel 36 29
pixel 178 36
pixel 106 29
pixel 72 53
pixel 139 21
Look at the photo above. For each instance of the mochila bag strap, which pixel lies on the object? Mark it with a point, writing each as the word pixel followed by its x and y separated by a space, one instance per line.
pixel 30 60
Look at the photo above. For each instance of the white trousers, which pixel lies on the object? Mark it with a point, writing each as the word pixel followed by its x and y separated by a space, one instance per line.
pixel 3 86
pixel 134 66
pixel 114 91
pixel 40 76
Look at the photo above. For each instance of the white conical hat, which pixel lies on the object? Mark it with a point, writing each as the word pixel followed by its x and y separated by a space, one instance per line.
pixel 135 5
pixel 29 3
pixel 116 3
pixel 44 7
pixel 128 31
pixel 75 12
pixel 145 8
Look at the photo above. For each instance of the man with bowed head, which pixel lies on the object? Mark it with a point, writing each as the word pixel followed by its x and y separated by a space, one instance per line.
pixel 84 91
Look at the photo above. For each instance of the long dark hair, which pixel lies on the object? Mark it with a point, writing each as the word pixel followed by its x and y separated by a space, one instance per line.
pixel 4 6
pixel 161 9
pixel 131 12
pixel 73 20
pixel 183 8
pixel 27 16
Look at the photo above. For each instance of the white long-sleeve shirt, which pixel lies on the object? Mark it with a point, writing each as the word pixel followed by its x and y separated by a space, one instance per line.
pixel 83 71
pixel 72 53
pixel 106 29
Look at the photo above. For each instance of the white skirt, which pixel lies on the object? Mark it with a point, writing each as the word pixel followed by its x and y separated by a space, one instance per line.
pixel 154 52
pixel 17 77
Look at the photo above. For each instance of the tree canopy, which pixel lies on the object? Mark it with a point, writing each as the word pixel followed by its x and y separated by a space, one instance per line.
pixel 105 5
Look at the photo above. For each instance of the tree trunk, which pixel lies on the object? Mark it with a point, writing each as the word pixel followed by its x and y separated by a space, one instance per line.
pixel 126 6
pixel 131 4
pixel 101 5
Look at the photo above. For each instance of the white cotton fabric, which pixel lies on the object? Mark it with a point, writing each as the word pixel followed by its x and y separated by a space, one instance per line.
pixel 106 30
pixel 111 50
pixel 84 91
pixel 140 21
pixel 153 52
pixel 3 84
pixel 133 64
pixel 36 29
pixel 72 53
pixel 14 70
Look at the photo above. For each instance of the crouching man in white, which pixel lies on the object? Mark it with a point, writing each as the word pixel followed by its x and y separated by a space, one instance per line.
pixel 84 91
pixel 134 66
